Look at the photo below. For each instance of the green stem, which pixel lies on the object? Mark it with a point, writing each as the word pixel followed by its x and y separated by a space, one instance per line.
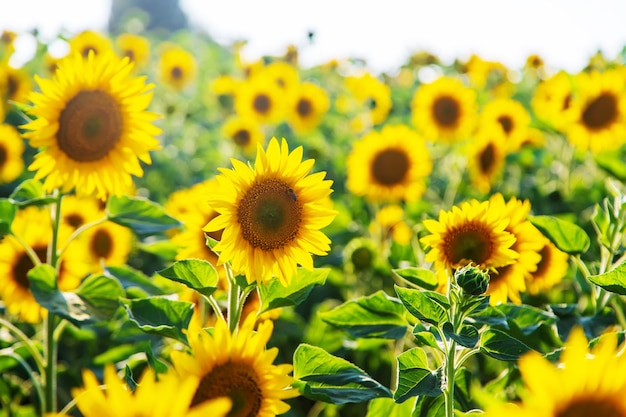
pixel 31 374
pixel 450 376
pixel 27 342
pixel 214 306
pixel 77 233
pixel 233 299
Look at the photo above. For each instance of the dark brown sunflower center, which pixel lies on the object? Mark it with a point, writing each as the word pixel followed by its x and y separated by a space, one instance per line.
pixel 3 156
pixel 371 103
pixel 591 407
pixel 87 49
pixel 75 220
pixel 487 158
pixel 25 264
pixel 469 242
pixel 304 107
pixel 216 235
pixel 507 123
pixel 101 244
pixel 12 86
pixel 390 167
pixel 270 214
pixel 242 137
pixel 90 126
pixel 446 111
pixel 130 54
pixel 361 258
pixel 567 101
pixel 177 73
pixel 261 103
pixel 601 112
pixel 237 381
pixel 544 262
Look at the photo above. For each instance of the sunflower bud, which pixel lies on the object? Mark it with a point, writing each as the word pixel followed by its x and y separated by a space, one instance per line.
pixel 473 280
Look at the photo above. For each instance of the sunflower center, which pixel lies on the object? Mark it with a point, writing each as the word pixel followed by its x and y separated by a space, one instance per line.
pixel 544 262
pixel 487 158
pixel 567 101
pixel 261 103
pixel 87 49
pixel 12 86
pixel 601 112
pixel 390 167
pixel 177 73
pixel 446 111
pixel 75 220
pixel 242 137
pixel 361 258
pixel 470 242
pixel 371 103
pixel 507 123
pixel 235 380
pixel 3 156
pixel 304 107
pixel 130 54
pixel 216 235
pixel 102 244
pixel 25 264
pixel 90 126
pixel 270 214
pixel 585 407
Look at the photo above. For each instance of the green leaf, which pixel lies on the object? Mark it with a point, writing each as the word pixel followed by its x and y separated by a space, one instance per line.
pixel 490 316
pixel 129 379
pixel 613 163
pixel 274 295
pixel 500 345
pixel 196 274
pixel 467 337
pixel 526 317
pixel 154 362
pixel 566 236
pixel 387 407
pixel 414 376
pixel 421 305
pixel 101 295
pixel 164 249
pixel 375 316
pixel 7 214
pixel 418 277
pixel 324 377
pixel 143 216
pixel 130 277
pixel 429 407
pixel 612 281
pixel 160 316
pixel 119 353
pixel 29 193
pixel 425 336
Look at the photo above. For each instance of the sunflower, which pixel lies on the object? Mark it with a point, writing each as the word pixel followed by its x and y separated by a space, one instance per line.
pixel 177 67
pixel 225 88
pixel 92 126
pixel 372 95
pixel 507 282
pixel 390 165
pixel 239 367
pixel 245 134
pixel 11 150
pixel 307 107
pixel 78 211
pixel 361 255
pixel 486 156
pixel 601 112
pixel 135 47
pixel 271 214
pixel 107 244
pixel 444 110
pixel 260 98
pixel 473 232
pixel 550 270
pixel 284 75
pixel 15 84
pixel 390 222
pixel 587 382
pixel 489 75
pixel 166 396
pixel 33 227
pixel 510 117
pixel 90 41
pixel 552 100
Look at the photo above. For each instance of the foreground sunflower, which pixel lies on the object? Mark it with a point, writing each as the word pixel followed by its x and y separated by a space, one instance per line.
pixel 587 382
pixel 92 126
pixel 238 367
pixel 271 214
pixel 167 396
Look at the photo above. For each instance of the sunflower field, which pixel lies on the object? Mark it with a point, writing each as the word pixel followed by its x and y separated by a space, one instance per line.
pixel 184 232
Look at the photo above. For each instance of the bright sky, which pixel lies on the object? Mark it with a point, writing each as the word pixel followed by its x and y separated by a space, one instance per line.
pixel 385 33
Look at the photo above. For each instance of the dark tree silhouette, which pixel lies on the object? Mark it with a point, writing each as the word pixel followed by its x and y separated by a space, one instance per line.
pixel 162 14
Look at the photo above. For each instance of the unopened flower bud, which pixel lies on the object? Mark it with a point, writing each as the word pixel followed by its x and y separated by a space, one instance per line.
pixel 472 279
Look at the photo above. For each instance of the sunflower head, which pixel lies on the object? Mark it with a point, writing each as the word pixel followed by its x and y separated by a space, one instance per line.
pixel 135 47
pixel 89 41
pixel 177 67
pixel 11 150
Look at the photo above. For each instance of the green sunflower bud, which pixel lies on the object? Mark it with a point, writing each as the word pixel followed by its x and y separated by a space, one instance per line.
pixel 472 280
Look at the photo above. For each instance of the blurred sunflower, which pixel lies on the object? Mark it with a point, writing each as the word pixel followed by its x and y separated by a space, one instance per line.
pixel 586 382
pixel 7 45
pixel 390 165
pixel 390 223
pixel 283 74
pixel 15 84
pixel 444 110
pixel 307 107
pixel 92 126
pixel 371 95
pixel 11 150
pixel 552 100
pixel 486 75
pixel 90 41
pixel 510 117
pixel 106 244
pixel 259 98
pixel 361 255
pixel 507 282
pixel 271 214
pixel 166 396
pixel 551 269
pixel 177 67
pixel 135 47
pixel 239 367
pixel 473 232
pixel 78 211
pixel 225 88
pixel 245 134
pixel 486 155
pixel 601 105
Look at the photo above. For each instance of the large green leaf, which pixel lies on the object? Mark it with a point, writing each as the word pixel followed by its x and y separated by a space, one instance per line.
pixel 377 315
pixel 160 316
pixel 526 317
pixel 145 217
pixel 323 377
pixel 414 376
pixel 566 236
pixel 29 193
pixel 425 335
pixel 7 214
pixel 101 295
pixel 422 306
pixel 274 295
pixel 387 407
pixel 418 277
pixel 196 274
pixel 612 281
pixel 500 345
pixel 130 277
pixel 467 336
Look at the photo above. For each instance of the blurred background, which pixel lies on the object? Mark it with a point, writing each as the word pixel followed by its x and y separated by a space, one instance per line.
pixel 383 34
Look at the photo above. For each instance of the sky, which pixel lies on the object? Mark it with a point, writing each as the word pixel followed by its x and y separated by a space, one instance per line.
pixel 565 33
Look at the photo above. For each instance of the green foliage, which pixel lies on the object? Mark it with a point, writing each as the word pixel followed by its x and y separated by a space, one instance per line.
pixel 143 216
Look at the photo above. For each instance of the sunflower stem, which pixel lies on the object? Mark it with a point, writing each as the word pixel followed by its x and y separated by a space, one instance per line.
pixel 234 293
pixel 27 342
pixel 29 371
